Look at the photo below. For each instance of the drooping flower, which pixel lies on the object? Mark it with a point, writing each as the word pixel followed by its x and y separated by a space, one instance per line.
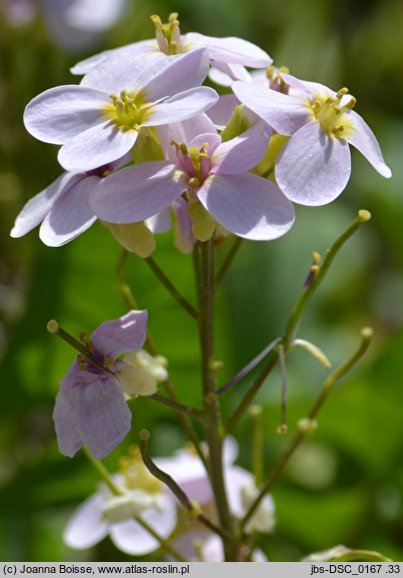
pixel 99 124
pixel 103 513
pixel 170 43
pixel 91 408
pixel 62 208
pixel 314 165
pixel 215 177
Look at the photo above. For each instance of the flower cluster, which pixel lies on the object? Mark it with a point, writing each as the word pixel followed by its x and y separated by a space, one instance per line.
pixel 138 144
pixel 144 498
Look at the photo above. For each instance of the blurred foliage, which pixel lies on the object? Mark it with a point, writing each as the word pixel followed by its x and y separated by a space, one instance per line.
pixel 344 485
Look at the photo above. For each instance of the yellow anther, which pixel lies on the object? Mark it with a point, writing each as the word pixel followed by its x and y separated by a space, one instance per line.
pixel 156 20
pixel 194 182
pixel 351 103
pixel 173 17
pixel 180 147
pixel 342 92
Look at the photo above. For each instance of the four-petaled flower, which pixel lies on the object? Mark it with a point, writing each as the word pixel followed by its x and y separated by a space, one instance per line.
pixel 98 124
pixel 314 166
pixel 214 174
pixel 90 408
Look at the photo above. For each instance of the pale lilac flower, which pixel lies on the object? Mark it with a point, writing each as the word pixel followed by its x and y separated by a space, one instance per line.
pixel 62 208
pixel 213 174
pixel 188 471
pixel 90 408
pixel 103 513
pixel 169 42
pixel 314 166
pixel 79 24
pixel 73 24
pixel 97 125
pixel 201 546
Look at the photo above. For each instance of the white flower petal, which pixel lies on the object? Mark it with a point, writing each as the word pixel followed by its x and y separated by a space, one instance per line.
pixel 86 528
pixel 70 215
pixel 365 141
pixel 230 50
pixel 243 152
pixel 132 538
pixel 313 168
pixel 179 73
pixel 96 147
pixel 61 113
pixel 182 106
pixel 36 209
pixel 286 114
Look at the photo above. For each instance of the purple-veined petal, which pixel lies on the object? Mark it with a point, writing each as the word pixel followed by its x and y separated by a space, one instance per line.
pixel 248 205
pixel 86 528
pixel 137 193
pixel 70 215
pixel 124 70
pixel 36 209
pixel 117 336
pixel 182 106
pixel 286 114
pixel 242 152
pixel 133 539
pixel 95 16
pixel 183 132
pixel 313 168
pixel 95 147
pixel 61 113
pixel 103 417
pixel 221 112
pixel 180 73
pixel 231 50
pixel 365 141
pixel 65 417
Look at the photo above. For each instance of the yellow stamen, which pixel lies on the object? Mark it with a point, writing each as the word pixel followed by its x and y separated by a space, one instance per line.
pixel 331 114
pixel 129 110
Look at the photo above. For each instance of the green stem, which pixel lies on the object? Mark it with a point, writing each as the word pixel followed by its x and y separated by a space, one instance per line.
pixel 176 406
pixel 228 260
pixel 192 507
pixel 152 349
pixel 214 430
pixel 308 424
pixel 171 288
pixel 105 476
pixel 315 277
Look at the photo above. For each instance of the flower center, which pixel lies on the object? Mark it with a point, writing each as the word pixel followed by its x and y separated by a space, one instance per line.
pixel 135 475
pixel 129 110
pixel 194 162
pixel 168 35
pixel 331 114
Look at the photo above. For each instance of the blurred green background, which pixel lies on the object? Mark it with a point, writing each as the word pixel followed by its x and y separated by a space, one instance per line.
pixel 344 485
